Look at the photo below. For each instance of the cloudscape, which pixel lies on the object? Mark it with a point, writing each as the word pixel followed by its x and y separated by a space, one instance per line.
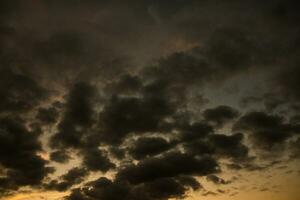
pixel 149 100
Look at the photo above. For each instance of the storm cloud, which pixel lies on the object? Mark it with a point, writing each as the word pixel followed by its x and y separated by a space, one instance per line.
pixel 145 95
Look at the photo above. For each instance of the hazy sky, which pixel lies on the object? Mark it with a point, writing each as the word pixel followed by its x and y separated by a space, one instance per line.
pixel 149 100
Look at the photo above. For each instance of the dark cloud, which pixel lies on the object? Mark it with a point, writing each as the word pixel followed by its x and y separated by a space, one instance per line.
pixel 266 130
pixel 77 117
pixel 19 155
pixel 165 188
pixel 160 189
pixel 116 152
pixel 95 159
pixel 127 84
pixel 190 181
pixel 287 11
pixel 19 92
pixel 8 8
pixel 123 97
pixel 60 156
pixel 120 116
pixel 102 188
pixel 74 128
pixel 47 115
pixel 230 49
pixel 194 131
pixel 168 165
pixel 62 47
pixel 181 69
pixel 229 146
pixel 220 115
pixel 295 119
pixel 162 10
pixel 148 146
pixel 199 147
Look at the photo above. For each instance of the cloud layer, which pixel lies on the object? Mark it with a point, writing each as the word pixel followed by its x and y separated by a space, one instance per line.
pixel 134 90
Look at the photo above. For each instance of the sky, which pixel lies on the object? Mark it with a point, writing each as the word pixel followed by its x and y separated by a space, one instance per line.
pixel 149 100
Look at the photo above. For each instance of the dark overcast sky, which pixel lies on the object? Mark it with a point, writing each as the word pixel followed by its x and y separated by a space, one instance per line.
pixel 149 99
